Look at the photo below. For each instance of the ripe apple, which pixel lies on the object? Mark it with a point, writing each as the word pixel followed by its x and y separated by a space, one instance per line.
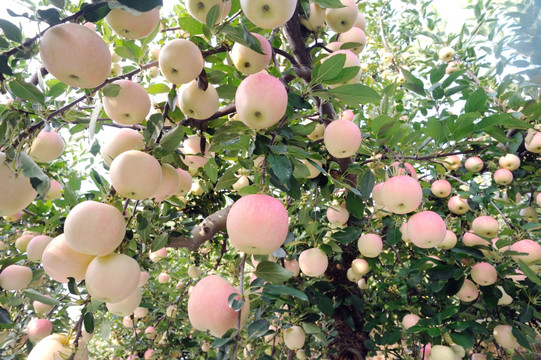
pixel 452 67
pixel 261 100
pixel 410 320
pixel 153 72
pixel 353 276
pixel 354 35
pixel 440 352
pixel 199 9
pixel 112 278
pixel 192 146
pixel 452 162
pixel 143 278
pixel 342 138
pixel 294 337
pixel 398 168
pixel 360 22
pixel 170 183
pixel 503 335
pixel 471 239
pixel 376 193
pixel 529 214
pixel 474 164
pixel 22 242
pixel 485 226
pixel 503 177
pixel 441 188
pixel 150 332
pixel 468 292
pixel 164 278
pixel 51 347
pixel 149 354
pixel 449 241
pixel 510 162
pixel 36 246
pixel 247 61
pixel 123 140
pixel 426 229
pixel 158 255
pixel 55 191
pixel 342 19
pixel 313 262
pixel 17 216
pixel 15 277
pixel 458 205
pixel 127 322
pixel 130 106
pixel 401 194
pixel 180 61
pixel 132 26
pixel 351 61
pixel 241 183
pixel 360 266
pixel 257 224
pixel 370 245
pixel 46 147
pixel 141 312
pixel 316 18
pixel 318 132
pixel 75 55
pixel 531 248
pixel 135 174
pixel 196 103
pixel 446 54
pixel 41 308
pixel 337 215
pixel 268 14
pixel 533 144
pixel 484 274
pixel 293 266
pixel 208 307
pixel 127 306
pixel 185 182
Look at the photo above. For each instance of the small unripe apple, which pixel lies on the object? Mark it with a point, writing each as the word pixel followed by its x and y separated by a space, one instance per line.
pixel 157 255
pixel 116 70
pixel 484 274
pixel 468 292
pixel 503 177
pixel 190 148
pixel 317 133
pixel 342 19
pixel 446 54
pixel 15 277
pixel 194 272
pixel 510 162
pixel 486 226
pixel 126 306
pixel 410 320
pixel 164 278
pixel 370 245
pixel 130 106
pixel 452 67
pixel 452 162
pixel 55 191
pixel 268 14
pixel 449 241
pixel 247 61
pixel 441 188
pixel 342 138
pixel 180 61
pixel 337 215
pixel 474 164
pixel 426 229
pixel 401 194
pixel 46 147
pixel 135 174
pixel 127 322
pixel 293 266
pixel 458 205
pixel 529 214
pixel 132 26
pixel 503 334
pixel 313 262
pixel 530 247
pixel 360 266
pixel 36 246
pixel 294 337
pixel 353 276
pixel 150 332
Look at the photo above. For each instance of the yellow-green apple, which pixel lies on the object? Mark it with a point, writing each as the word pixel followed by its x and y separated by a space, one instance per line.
pixel 130 106
pixel 505 299
pixel 197 103
pixel 112 278
pixel 257 224
pixel 503 177
pixel 449 241
pixel 247 61
pixel 179 285
pixel 458 205
pixel 503 335
pixel 468 292
pixel 164 278
pixel 205 346
pixel 37 329
pixel 317 133
pixel 360 266
pixel 114 56
pixel 342 19
pixel 22 242
pixel 141 312
pixel 153 72
pixel 529 214
pixel 370 245
pixel 426 229
pixel 180 61
pixel 154 53
pixel 190 148
pixel 351 61
pixel 510 162
pixel 143 278
pixel 354 35
pixel 362 284
pixel 353 276
pixel 533 143
pixel 401 194
pixel 127 306
pixel 199 9
pixel 441 188
pixel 452 67
pixel 194 272
pixel 294 337
pixel 410 320
pixel 157 255
pixel 440 352
pixel 484 274
pixel 452 162
pixel 531 248
pixel 360 22
pixel 268 14
pixel 337 215
pixel 261 101
pixel 446 54
pixel 150 332
pixel 133 26
pixel 242 182
pixel 208 307
pixel 169 185
pixel 75 55
pixel 55 191
pixel 293 266
pixel 471 239
pixel 46 147
pixel 342 138
pixel 473 164
pixel 316 18
pixel 36 246
pixel 123 140
pixel 41 308
pixel 485 226
pixel 185 182
pixel 15 277
pixel 312 170
pixel 135 174
pixel 313 262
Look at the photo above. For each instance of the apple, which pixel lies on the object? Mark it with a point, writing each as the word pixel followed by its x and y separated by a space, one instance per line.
pixel 133 26
pixel 440 352
pixel 38 329
pixel 293 266
pixel 90 25
pixel 360 266
pixel 185 182
pixel 247 61
pixel 150 332
pixel 180 61
pixel 538 199
pixel 75 55
pixel 164 278
pixel 468 292
pixel 268 14
pixel 127 306
pixel 354 35
pixel 533 144
pixel 505 299
pixel 153 72
pixel 458 205
pixel 194 272
pixel 208 307
pixel 360 22
pixel 135 174
pixel 22 242
pixel 17 216
pixel 398 168
pixel 15 277
pixel 452 162
pixel 503 177
pixel 441 188
pixel 485 226
pixel 199 9
pixel 317 133
pixel 473 164
pixel 149 354
pixel 531 248
pixel 401 194
pixel 471 239
pixel 41 308
pixel 127 322
pixel 123 140
pixel 362 284
pixel 141 312
pixel 503 335
pixel 353 276
pixel 370 245
pixel 316 18
pixel 51 347
pixel 529 214
pixel 426 229
pixel 452 67
pixel 143 278
pixel 449 241
pixel 170 183
pixel 510 162
pixel 410 320
pixel 342 138
pixel 294 337
pixel 351 61
pixel 342 19
pixel 112 278
pixel 446 54
pixel 46 147
pixel 36 246
pixel 190 148
pixel 241 183
pixel 484 274
pixel 116 70
pixel 313 262
pixel 130 106
pixel 459 351
pixel 376 193
pixel 55 191
pixel 157 255
pixel 197 103
pixel 261 100
pixel 257 224
pixel 337 215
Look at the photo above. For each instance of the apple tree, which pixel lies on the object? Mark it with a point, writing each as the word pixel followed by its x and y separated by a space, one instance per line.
pixel 250 179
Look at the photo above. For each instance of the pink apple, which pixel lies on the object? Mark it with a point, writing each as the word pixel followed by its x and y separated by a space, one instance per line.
pixel 376 193
pixel 191 147
pixel 468 292
pixel 485 226
pixel 293 266
pixel 470 239
pixel 404 169
pixel 426 229
pixel 484 274
pixel 15 277
pixel 410 320
pixel 38 329
pixel 510 162
pixel 342 138
pixel 474 164
pixel 313 262
pixel 441 188
pixel 46 147
pixel 533 144
pixel 370 245
pixel 458 205
pixel 449 241
pixel 401 194
pixel 531 248
pixel 164 278
pixel 360 266
pixel 503 177
pixel 337 215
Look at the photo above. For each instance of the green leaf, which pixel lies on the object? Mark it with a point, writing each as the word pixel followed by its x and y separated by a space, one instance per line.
pixel 347 234
pixel 325 305
pixel 367 184
pixel 31 170
pixel 272 272
pixel 159 88
pixel 355 205
pixel 190 25
pixel 451 78
pixel 5 318
pixel 4 66
pixel 211 169
pixel 355 94
pixel 11 31
pixel 393 236
pixel 476 101
pixel 26 91
pixel 95 12
pixel 521 339
pixel 171 140
pixel 257 329
pixel 413 83
pixel 331 4
pixel 58 3
pixel 281 166
pixel 159 241
pixel 437 73
pixel 111 90
pixel 328 69
pixel 88 321
pixel 243 37
pixel 212 16
pixel 142 5
pixel 234 302
pixel 37 296
pixel 530 274
pixel 284 290
pixel 464 340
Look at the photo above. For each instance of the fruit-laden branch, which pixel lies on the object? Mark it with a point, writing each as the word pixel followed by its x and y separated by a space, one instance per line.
pixel 203 232
pixel 226 110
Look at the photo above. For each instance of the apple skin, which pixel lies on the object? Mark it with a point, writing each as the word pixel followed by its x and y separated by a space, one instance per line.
pixel 452 67
pixel 360 266
pixel 370 245
pixel 529 214
pixel 131 106
pixel 164 278
pixel 294 337
pixel 410 320
pixel 15 277
pixel 534 145
pixel 532 248
pixel 143 278
pixel 449 241
pixel 316 19
pixel 126 306
pixel 60 261
pixel 261 101
pixel 257 224
pixel 440 352
pixel 403 169
pixel 132 26
pixel 401 194
pixel 51 347
pixel 353 276
pixel 318 132
pixel 342 19
pixel 473 164
pixel 503 177
pixel 36 246
pixel 468 292
pixel 135 174
pixel 313 262
pixel 121 141
pixel 158 255
pixel 510 162
pixel 180 61
pixel 446 54
pixel 505 299
pixel 170 183
pixel 247 61
pixel 46 147
pixel 342 138
pixel 141 312
pixel 354 35
pixel 150 332
pixel 452 162
pixel 16 192
pixel 75 55
pixel 471 239
pixel 426 229
pixel 84 226
pixel 208 308
pixel 503 335
pixel 185 183
pixel 38 329
pixel 192 146
pixel 360 22
pixel 484 274
pixel 194 272
pixel 293 266
pixel 485 226
pixel 55 191
pixel 41 308
pixel 338 215
pixel 199 9
pixel 376 193
pixel 458 205
pixel 268 14
pixel 196 103
pixel 441 188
